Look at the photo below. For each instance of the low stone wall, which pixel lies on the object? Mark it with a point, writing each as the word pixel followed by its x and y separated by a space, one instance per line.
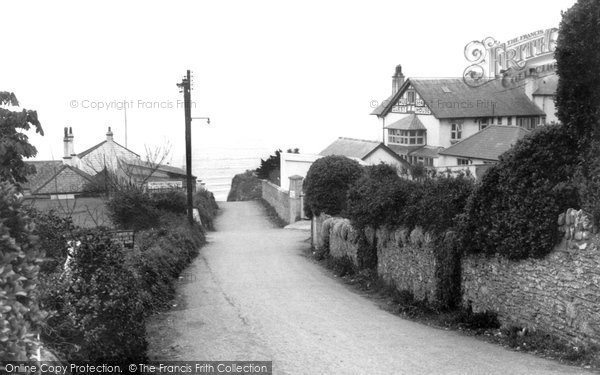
pixel 277 198
pixel 559 294
pixel 317 231
pixel 343 239
pixel 406 260
pixel 409 261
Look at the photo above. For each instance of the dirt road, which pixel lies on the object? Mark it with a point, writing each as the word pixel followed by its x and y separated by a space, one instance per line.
pixel 253 295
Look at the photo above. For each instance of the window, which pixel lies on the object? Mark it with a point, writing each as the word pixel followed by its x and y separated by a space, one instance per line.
pixel 499 120
pixel 460 161
pixel 456 132
pixel 410 96
pixel 509 120
pixel 483 123
pixel 528 123
pixel 406 137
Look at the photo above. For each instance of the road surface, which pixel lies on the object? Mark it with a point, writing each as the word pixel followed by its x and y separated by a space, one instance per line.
pixel 252 294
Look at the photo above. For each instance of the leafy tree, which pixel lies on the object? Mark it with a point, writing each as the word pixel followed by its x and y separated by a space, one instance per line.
pixel 14 143
pixel 269 168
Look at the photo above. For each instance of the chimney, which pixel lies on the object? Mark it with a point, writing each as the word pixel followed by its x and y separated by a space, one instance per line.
pixel 397 79
pixel 71 144
pixel 66 141
pixel 109 134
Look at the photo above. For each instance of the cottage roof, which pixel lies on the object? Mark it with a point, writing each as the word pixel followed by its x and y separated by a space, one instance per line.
pixel 65 180
pixel 487 144
pixel 350 147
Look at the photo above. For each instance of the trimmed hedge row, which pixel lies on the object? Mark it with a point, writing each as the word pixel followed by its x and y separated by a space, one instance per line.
pixel 513 211
pixel 381 198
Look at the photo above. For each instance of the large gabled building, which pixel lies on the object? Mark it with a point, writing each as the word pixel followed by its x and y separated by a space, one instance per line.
pixel 425 117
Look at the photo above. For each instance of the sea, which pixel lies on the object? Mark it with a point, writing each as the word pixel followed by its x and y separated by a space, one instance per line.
pixel 216 167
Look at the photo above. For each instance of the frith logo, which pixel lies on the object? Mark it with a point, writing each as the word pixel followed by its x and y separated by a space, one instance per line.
pixel 509 61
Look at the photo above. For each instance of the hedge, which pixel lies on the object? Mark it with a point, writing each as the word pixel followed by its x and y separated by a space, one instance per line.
pixel 513 211
pixel 381 198
pixel 327 183
pixel 20 315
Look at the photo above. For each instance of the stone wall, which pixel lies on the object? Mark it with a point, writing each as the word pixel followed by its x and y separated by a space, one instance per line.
pixel 287 204
pixel 317 231
pixel 343 239
pixel 406 260
pixel 410 261
pixel 559 294
pixel 277 198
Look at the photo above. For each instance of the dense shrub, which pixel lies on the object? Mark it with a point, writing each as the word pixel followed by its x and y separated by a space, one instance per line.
pixel 160 255
pixel 244 187
pixel 587 180
pixel 513 211
pixel 378 197
pixel 102 300
pixel 381 198
pixel 171 201
pixel 20 315
pixel 578 95
pixel 327 183
pixel 578 67
pixel 439 201
pixel 132 209
pixel 53 231
pixel 207 207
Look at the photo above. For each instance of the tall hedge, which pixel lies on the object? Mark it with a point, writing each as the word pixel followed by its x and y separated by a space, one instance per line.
pixel 578 94
pixel 578 59
pixel 381 198
pixel 327 183
pixel 378 197
pixel 513 210
pixel 20 315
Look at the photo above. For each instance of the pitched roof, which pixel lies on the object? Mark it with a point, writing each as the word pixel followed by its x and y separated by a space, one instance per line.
pixel 159 168
pixel 402 150
pixel 547 85
pixel 84 153
pixel 487 144
pixel 410 122
pixel 44 169
pixel 453 98
pixel 67 179
pixel 350 147
pixel 426 152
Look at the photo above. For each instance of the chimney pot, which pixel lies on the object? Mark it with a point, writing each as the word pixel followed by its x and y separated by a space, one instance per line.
pixel 109 134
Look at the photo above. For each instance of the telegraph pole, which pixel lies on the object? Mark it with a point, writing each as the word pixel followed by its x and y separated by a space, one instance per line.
pixel 185 85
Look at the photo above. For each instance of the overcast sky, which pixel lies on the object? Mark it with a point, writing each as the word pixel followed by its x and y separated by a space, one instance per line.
pixel 270 74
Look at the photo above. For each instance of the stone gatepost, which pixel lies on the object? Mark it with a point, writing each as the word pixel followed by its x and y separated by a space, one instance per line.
pixel 295 198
